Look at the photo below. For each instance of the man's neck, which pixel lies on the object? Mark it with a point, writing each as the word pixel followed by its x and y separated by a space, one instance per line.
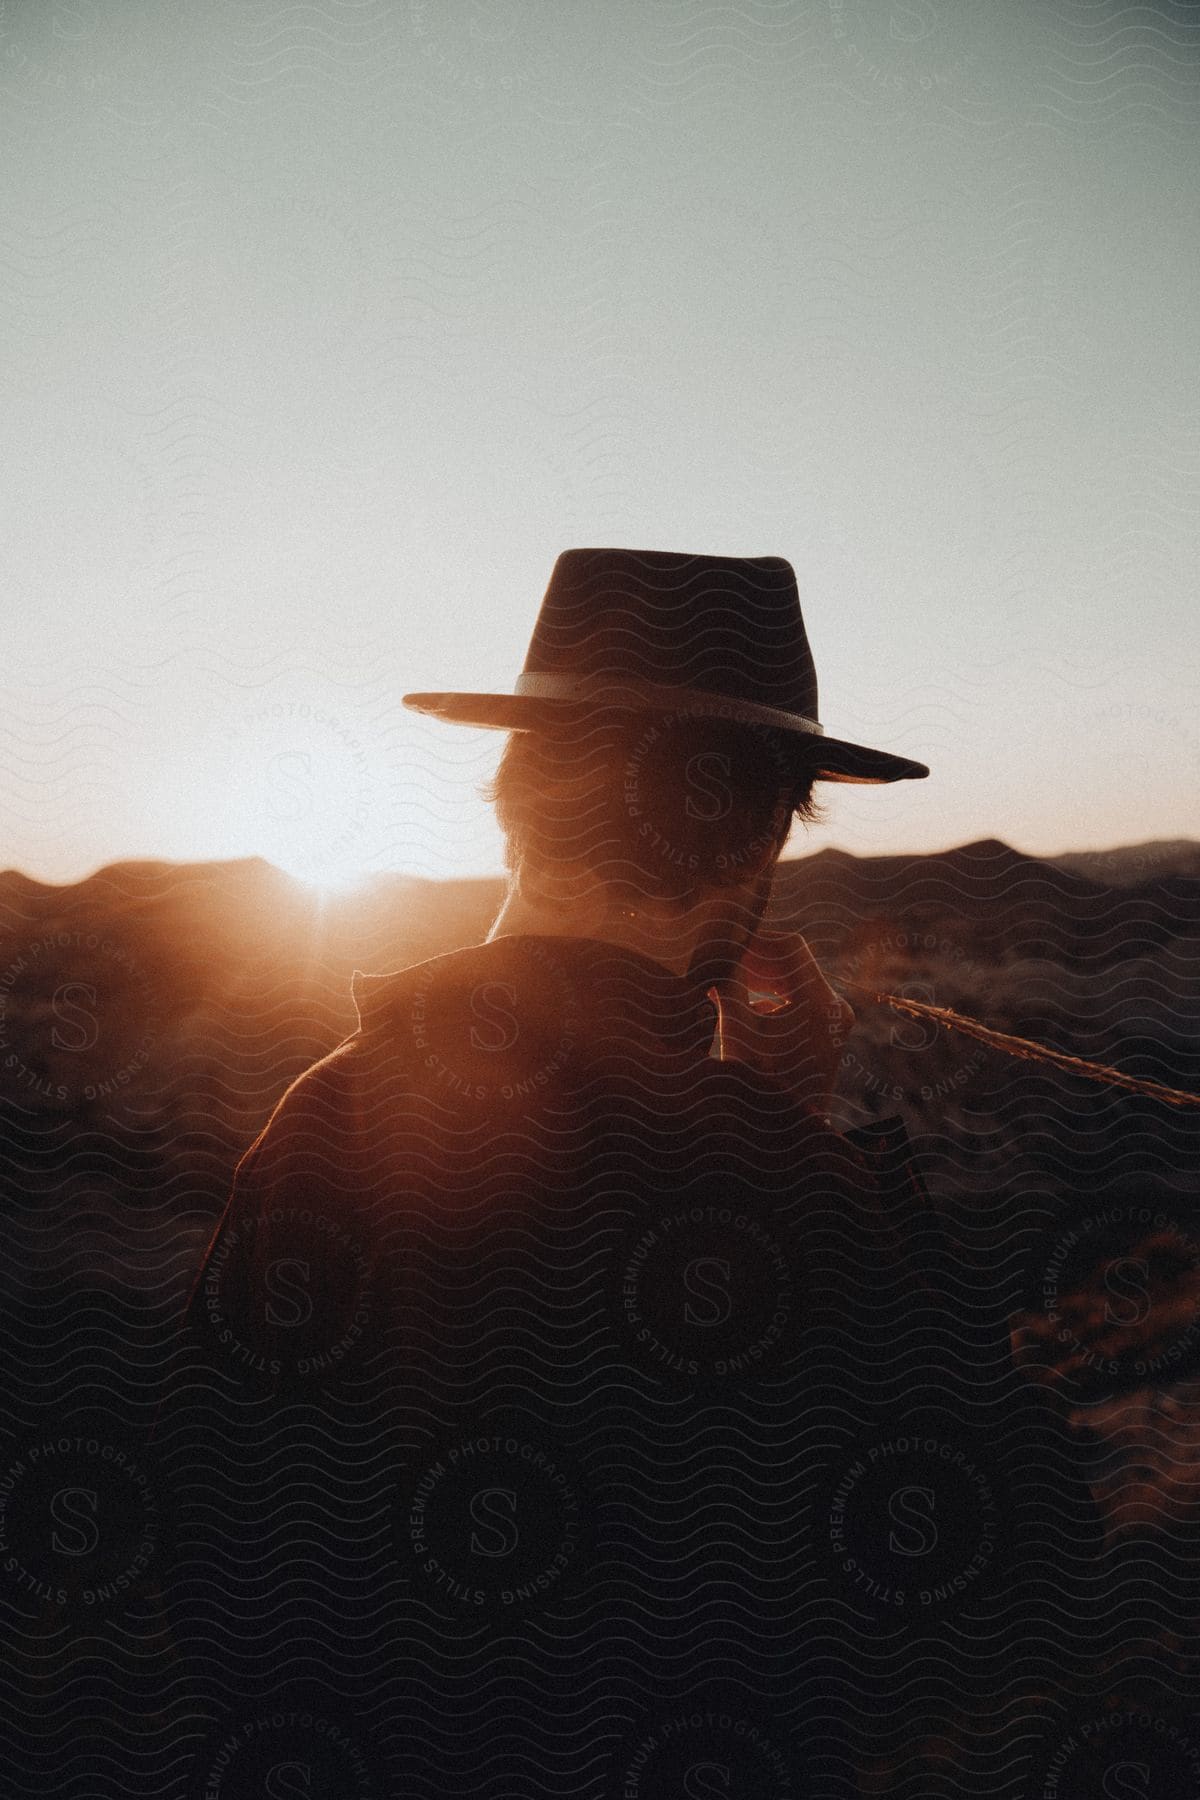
pixel 717 929
pixel 660 938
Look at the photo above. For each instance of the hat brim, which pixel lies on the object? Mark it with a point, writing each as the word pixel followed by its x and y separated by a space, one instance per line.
pixel 837 758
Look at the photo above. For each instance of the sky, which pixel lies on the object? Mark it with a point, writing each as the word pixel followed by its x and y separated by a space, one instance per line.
pixel 328 326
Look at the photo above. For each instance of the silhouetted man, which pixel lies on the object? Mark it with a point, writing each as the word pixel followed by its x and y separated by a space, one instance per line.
pixel 548 1311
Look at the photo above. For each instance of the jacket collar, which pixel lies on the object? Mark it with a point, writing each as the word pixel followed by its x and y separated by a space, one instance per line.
pixel 625 1001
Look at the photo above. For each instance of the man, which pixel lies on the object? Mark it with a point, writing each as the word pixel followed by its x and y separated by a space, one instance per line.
pixel 545 1307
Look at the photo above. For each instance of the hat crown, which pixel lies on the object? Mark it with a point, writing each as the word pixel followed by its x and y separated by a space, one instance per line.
pixel 633 632
pixel 727 625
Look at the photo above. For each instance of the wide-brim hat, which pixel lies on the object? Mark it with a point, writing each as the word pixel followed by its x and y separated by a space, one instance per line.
pixel 659 631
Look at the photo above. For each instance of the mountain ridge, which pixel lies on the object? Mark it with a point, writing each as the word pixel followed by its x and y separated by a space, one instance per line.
pixel 1167 855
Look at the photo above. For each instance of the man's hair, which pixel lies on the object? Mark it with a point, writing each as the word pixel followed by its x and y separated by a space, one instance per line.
pixel 665 807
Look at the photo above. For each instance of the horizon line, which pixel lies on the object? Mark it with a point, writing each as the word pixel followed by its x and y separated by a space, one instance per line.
pixel 376 875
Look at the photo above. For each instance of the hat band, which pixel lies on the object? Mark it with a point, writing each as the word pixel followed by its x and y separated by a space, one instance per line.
pixel 655 697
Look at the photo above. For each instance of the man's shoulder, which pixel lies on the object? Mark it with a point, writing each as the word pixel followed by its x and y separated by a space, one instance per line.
pixel 487 1023
pixel 312 1111
pixel 476 1001
pixel 392 1001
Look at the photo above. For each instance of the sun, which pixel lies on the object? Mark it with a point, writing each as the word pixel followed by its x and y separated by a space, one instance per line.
pixel 303 792
pixel 315 789
pixel 329 882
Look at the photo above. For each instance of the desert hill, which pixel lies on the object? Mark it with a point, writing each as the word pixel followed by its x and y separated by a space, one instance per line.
pixel 151 983
pixel 1132 863
pixel 1004 902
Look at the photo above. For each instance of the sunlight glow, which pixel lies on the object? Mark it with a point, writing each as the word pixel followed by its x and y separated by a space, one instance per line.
pixel 343 881
pixel 301 794
pixel 316 787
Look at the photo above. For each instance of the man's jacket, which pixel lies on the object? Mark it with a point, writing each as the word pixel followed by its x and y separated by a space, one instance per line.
pixel 549 1375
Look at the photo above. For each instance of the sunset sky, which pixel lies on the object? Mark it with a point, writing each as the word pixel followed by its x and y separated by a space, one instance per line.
pixel 329 326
